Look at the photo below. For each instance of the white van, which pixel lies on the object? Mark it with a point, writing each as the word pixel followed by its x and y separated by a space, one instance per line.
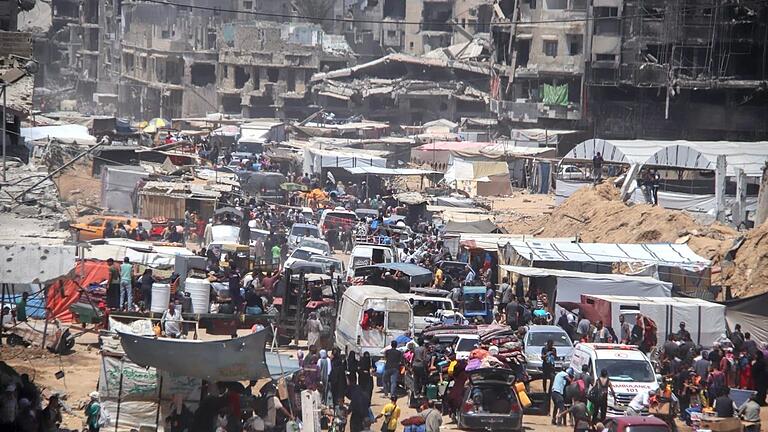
pixel 368 254
pixel 425 309
pixel 628 368
pixel 370 317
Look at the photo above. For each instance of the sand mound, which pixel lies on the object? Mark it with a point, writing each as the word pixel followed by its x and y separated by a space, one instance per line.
pixel 596 214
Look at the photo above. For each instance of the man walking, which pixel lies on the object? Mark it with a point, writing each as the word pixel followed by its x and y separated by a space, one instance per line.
pixel 558 394
pixel 393 359
pixel 126 285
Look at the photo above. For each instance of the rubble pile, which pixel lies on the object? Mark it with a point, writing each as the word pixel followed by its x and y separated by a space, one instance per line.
pixel 37 213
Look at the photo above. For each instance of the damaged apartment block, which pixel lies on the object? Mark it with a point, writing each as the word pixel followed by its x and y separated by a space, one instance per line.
pixel 265 68
pixel 689 69
pixel 541 45
pixel 408 90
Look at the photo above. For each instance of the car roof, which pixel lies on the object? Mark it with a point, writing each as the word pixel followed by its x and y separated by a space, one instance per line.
pixel 360 293
pixel 426 298
pixel 311 250
pixel 303 225
pixel 536 328
pixel 601 350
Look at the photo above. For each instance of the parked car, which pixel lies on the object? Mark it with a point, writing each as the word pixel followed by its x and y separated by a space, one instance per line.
pixel 300 231
pixel 536 337
pixel 490 401
pixel 571 172
pixel 92 227
pixel 301 254
pixel 316 244
pixel 465 343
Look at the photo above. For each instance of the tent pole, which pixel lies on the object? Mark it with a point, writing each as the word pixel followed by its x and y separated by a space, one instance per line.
pixel 119 395
pixel 2 307
pixel 45 314
pixel 159 400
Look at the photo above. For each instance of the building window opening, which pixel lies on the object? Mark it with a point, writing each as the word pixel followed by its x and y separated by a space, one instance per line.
pixel 550 48
pixel 575 42
pixel 273 74
pixel 394 8
pixel 241 77
pixel 203 74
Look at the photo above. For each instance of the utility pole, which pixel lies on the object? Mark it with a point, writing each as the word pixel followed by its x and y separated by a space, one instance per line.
pixel 4 88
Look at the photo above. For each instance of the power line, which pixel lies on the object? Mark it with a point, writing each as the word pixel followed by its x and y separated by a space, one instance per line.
pixel 659 14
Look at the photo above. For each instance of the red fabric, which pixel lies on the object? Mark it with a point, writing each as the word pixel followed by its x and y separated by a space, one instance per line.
pixel 66 291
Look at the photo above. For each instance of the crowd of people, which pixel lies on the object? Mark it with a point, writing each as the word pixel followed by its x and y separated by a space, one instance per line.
pixel 21 407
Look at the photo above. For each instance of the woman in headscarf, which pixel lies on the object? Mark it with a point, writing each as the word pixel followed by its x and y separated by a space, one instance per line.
pixel 364 378
pixel 352 366
pixel 324 368
pixel 338 376
pixel 314 327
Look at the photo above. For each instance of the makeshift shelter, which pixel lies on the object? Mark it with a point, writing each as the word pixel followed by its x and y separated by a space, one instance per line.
pixel 751 313
pixel 680 156
pixel 119 188
pixel 70 134
pixel 483 178
pixel 316 160
pixel 704 320
pixel 675 263
pixel 567 286
pixel 172 199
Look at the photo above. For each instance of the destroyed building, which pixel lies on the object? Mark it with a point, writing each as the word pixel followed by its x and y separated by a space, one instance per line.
pixel 541 45
pixel 390 25
pixel 169 58
pixel 405 90
pixel 265 67
pixel 690 69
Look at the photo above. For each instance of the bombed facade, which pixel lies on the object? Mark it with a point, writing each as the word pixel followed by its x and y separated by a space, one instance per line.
pixel 693 69
pixel 541 45
pixel 264 69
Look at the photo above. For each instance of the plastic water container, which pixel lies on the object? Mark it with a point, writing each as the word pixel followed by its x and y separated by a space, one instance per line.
pixel 200 292
pixel 161 296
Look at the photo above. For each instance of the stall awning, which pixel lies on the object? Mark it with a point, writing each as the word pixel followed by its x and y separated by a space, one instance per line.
pixel 665 254
pixel 572 284
pixel 390 171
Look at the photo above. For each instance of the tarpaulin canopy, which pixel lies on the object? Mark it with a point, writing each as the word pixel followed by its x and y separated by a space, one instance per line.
pixel 315 160
pixel 484 226
pixel 238 359
pixel 65 292
pixel 665 254
pixel 390 171
pixel 64 133
pixel 751 313
pixel 571 284
pixel 35 263
pixel 695 155
pixel 704 320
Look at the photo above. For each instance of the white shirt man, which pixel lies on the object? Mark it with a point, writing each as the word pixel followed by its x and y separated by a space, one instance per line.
pixel 640 402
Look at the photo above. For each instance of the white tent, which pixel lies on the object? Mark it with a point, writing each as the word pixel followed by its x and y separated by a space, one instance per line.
pixel 484 178
pixel 570 284
pixel 315 159
pixel 694 155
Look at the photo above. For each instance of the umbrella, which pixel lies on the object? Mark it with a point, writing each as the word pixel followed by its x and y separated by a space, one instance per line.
pixel 292 187
pixel 155 124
